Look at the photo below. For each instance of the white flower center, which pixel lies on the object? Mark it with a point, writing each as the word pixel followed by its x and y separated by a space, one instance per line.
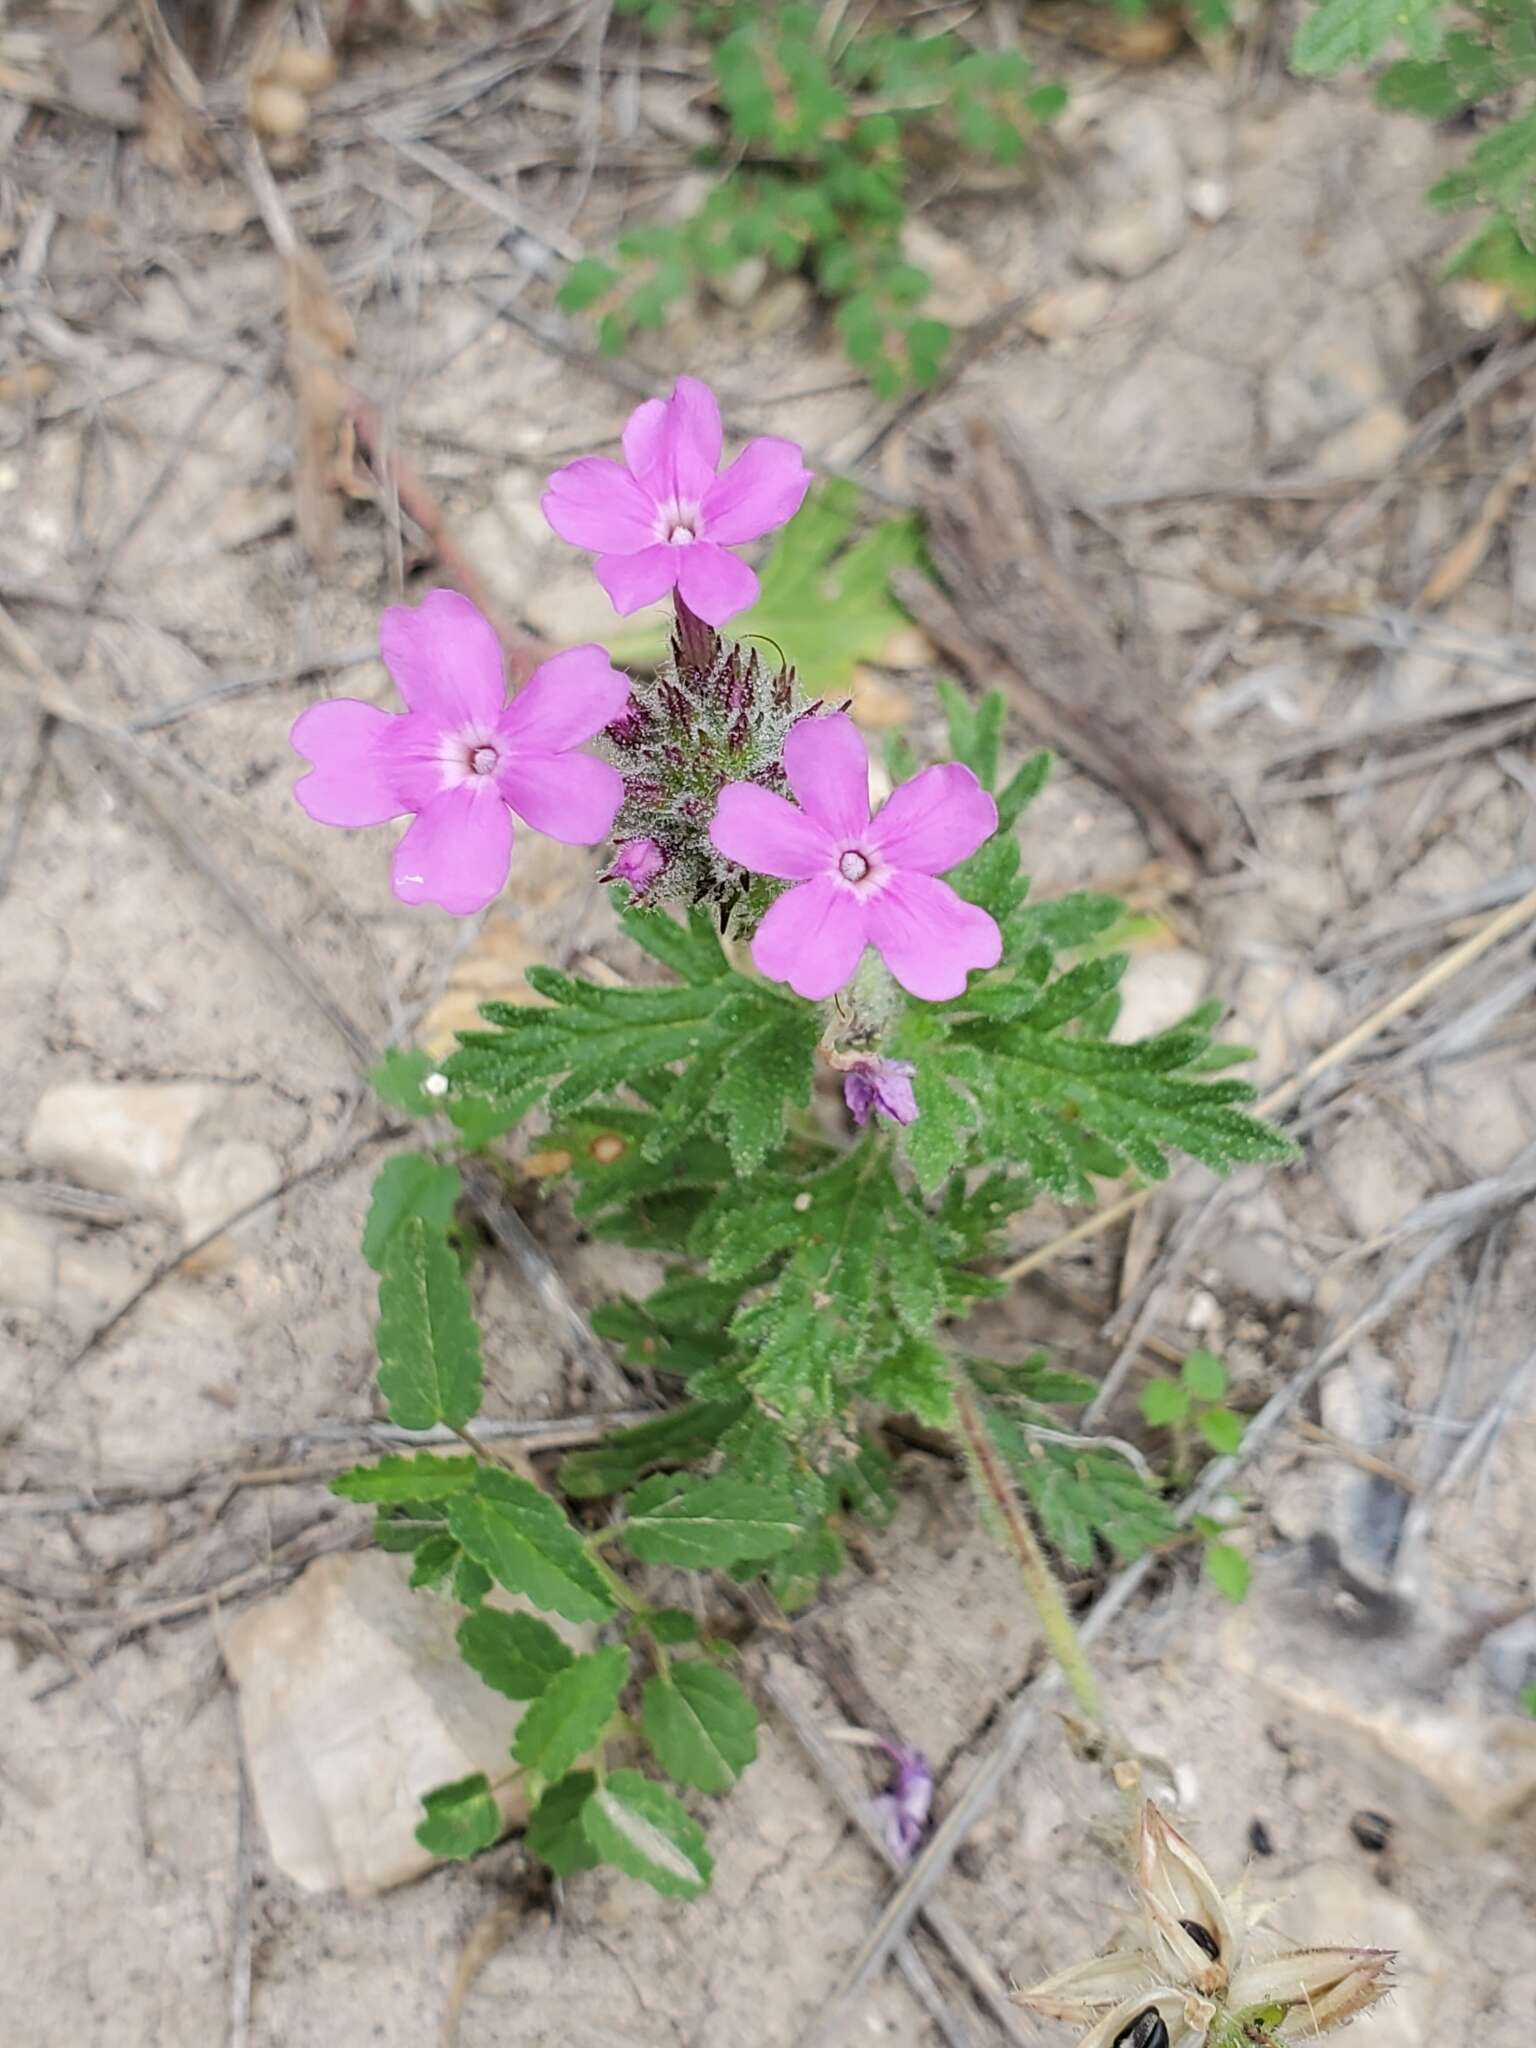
pixel 483 761
pixel 853 866
pixel 680 535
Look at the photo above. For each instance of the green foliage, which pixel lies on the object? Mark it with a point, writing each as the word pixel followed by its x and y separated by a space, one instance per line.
pixel 819 133
pixel 641 1828
pixel 1461 55
pixel 811 1274
pixel 701 1727
pixel 462 1818
pixel 429 1346
pixel 1194 1397
pixel 569 1715
pixel 1528 1699
pixel 408 1185
pixel 528 1546
pixel 516 1654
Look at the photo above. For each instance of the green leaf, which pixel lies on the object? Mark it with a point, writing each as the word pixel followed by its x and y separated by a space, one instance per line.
pixel 555 1833
pixel 571 1712
pixel 587 281
pixel 1204 1375
pixel 674 1438
pixel 1164 1402
pixel 424 1476
pixel 827 595
pixel 1222 1430
pixel 408 1185
pixel 639 1827
pixel 700 1725
pixel 1343 32
pixel 471 1582
pixel 434 1560
pixel 429 1346
pixel 462 1818
pixel 1528 1698
pixel 515 1654
pixel 398 1078
pixel 1228 1570
pixel 671 1625
pixel 704 1522
pixel 915 1380
pixel 524 1541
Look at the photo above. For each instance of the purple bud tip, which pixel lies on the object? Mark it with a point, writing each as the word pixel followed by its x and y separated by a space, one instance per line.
pixel 884 1086
pixel 638 862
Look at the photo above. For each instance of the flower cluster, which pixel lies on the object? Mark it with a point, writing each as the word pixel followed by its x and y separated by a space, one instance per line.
pixel 1193 1981
pixel 718 781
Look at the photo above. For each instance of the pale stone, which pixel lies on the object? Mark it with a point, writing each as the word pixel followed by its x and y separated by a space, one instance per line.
pixel 1160 988
pixel 125 1138
pixel 740 285
pixel 1368 446
pixel 29 1261
pixel 1138 194
pixel 1328 377
pixel 1074 310
pixel 1461 1773
pixel 964 291
pixel 354 1702
pixel 1328 1906
pixel 216 1185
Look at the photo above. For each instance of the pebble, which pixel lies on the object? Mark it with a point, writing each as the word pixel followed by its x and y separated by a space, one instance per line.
pixel 29 1261
pixel 216 1185
pixel 1138 194
pixel 124 1138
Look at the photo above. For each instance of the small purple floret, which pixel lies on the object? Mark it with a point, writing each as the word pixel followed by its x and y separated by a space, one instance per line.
pixel 884 1086
pixel 905 1804
pixel 638 862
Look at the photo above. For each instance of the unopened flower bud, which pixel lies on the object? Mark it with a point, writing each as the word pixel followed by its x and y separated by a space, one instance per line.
pixel 638 862
pixel 905 1803
pixel 884 1086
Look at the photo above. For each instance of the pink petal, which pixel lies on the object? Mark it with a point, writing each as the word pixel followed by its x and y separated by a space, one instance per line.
pixel 935 821
pixel 572 797
pixel 566 700
pixel 713 583
pixel 763 487
pixel 674 447
pixel 412 753
pixel 446 658
pixel 828 769
pixel 457 852
pixel 597 504
pixel 768 835
pixel 813 938
pixel 634 580
pixel 929 937
pixel 349 783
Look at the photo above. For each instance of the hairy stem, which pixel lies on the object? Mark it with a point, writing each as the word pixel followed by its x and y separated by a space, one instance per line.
pixel 1060 1632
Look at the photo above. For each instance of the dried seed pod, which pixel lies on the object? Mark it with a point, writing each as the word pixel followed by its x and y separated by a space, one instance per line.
pixel 1147 2030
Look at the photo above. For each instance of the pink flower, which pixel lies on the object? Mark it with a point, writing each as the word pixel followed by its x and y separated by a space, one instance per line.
pixel 460 757
pixel 663 519
pixel 863 881
pixel 907 1800
pixel 884 1086
pixel 638 862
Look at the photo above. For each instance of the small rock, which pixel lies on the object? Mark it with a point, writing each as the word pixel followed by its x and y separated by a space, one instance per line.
pixel 1331 375
pixel 1209 199
pixel 1328 1905
pixel 125 1138
pixel 214 1186
pixel 740 285
pixel 1368 446
pixel 29 1262
pixel 1159 988
pixel 354 1701
pixel 879 705
pixel 1138 194
pixel 1075 309
pixel 964 291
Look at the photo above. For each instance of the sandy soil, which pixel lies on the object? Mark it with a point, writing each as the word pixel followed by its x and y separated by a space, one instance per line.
pixel 170 917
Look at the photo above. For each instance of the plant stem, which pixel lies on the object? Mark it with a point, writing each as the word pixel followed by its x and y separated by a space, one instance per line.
pixel 1061 1636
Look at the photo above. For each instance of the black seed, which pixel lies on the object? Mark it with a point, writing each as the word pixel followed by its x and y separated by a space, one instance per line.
pixel 1202 1937
pixel 1372 1831
pixel 1145 2031
pixel 1259 1840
